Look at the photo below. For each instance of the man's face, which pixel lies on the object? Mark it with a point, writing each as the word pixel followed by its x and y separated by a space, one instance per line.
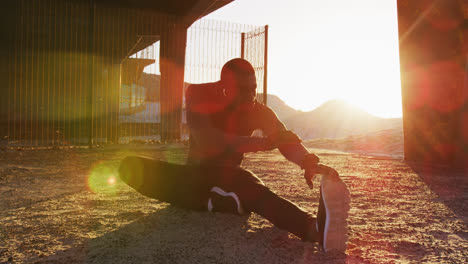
pixel 242 89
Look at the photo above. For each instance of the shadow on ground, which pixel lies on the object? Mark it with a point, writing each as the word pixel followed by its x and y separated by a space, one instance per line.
pixel 451 188
pixel 173 235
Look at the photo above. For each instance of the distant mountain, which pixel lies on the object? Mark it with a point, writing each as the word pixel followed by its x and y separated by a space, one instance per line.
pixel 333 119
pixel 282 110
pixel 386 142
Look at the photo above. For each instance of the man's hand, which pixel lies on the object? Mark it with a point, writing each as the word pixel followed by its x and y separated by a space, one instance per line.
pixel 309 176
pixel 311 167
pixel 323 170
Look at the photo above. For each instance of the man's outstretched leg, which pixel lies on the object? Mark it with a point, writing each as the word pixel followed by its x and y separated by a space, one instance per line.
pixel 330 227
pixel 254 196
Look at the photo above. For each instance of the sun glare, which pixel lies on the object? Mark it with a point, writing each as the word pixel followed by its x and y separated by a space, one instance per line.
pixel 353 59
pixel 324 50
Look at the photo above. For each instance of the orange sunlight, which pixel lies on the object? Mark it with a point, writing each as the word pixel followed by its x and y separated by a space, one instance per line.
pixel 324 50
pixel 354 58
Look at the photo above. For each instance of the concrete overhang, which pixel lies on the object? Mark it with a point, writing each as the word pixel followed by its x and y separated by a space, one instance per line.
pixel 188 10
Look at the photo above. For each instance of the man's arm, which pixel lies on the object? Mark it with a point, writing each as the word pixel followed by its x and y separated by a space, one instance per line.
pixel 289 144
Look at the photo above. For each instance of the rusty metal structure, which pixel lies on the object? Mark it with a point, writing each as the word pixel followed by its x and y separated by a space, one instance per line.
pixel 433 38
pixel 76 71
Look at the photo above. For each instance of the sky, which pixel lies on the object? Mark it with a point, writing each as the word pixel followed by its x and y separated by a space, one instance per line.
pixel 323 50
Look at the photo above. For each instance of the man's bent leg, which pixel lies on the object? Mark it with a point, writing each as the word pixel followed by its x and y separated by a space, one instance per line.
pixel 180 185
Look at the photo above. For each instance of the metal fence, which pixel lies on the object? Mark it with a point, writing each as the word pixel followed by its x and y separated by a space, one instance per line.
pixel 86 75
pixel 210 44
pixel 255 49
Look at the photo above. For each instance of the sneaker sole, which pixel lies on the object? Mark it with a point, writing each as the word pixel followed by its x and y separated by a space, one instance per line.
pixel 336 200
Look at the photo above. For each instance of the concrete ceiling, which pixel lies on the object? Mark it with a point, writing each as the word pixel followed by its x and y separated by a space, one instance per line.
pixel 190 10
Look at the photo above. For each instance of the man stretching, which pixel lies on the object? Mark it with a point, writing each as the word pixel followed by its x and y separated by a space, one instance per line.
pixel 221 117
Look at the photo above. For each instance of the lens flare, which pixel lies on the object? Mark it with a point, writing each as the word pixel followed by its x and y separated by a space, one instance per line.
pixel 102 179
pixel 111 180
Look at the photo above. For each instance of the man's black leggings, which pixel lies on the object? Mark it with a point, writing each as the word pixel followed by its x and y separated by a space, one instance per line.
pixel 189 186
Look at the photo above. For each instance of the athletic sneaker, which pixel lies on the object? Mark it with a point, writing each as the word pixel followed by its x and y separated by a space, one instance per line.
pixel 333 211
pixel 321 217
pixel 226 202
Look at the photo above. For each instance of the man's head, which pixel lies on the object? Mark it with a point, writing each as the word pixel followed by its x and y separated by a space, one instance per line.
pixel 239 82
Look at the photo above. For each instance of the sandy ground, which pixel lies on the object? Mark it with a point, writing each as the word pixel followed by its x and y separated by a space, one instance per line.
pixel 67 206
pixel 387 143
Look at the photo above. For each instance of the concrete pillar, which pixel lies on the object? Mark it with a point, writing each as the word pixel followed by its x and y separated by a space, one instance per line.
pixel 172 54
pixel 433 58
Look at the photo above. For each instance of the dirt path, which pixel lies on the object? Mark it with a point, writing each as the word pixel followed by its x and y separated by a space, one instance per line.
pixel 67 206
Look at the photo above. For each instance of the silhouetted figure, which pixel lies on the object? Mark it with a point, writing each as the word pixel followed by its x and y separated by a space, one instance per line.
pixel 222 117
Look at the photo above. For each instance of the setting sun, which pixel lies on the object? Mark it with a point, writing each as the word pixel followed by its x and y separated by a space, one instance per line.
pixel 319 51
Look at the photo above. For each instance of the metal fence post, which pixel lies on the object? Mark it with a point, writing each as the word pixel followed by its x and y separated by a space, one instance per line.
pixel 265 67
pixel 90 54
pixel 243 45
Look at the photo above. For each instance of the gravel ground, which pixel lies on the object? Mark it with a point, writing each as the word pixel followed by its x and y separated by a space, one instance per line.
pixel 68 206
